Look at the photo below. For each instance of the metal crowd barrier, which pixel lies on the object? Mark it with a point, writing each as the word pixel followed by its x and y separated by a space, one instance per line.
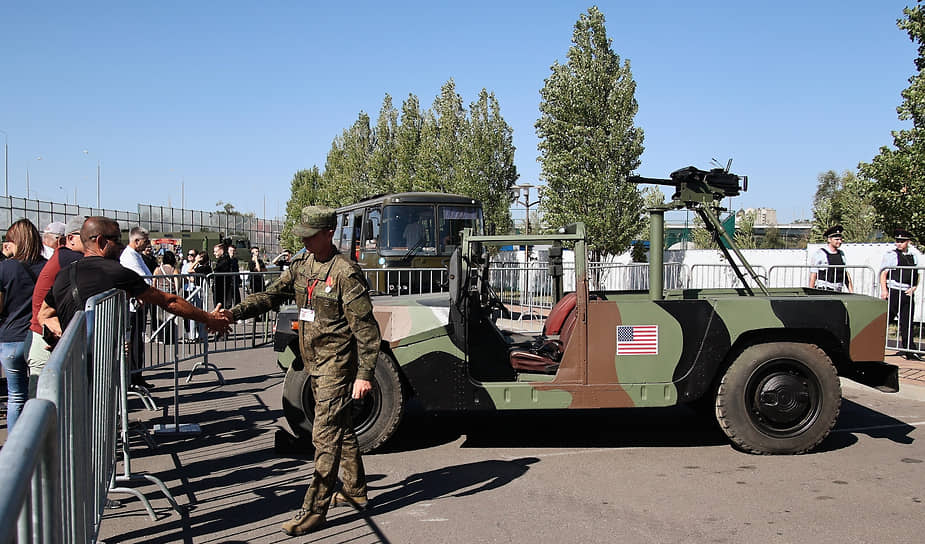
pixel 905 309
pixel 230 288
pixel 30 506
pixel 863 278
pixel 85 381
pixel 718 276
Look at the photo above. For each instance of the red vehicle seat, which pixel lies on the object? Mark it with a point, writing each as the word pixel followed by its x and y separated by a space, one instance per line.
pixel 559 313
pixel 546 357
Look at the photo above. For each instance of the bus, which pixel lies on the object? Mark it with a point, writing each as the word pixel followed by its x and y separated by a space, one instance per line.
pixel 416 230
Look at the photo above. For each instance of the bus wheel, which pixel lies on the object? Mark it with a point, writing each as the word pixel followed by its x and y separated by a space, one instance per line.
pixel 779 397
pixel 375 417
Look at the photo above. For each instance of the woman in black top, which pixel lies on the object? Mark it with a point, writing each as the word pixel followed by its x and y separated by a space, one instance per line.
pixel 18 272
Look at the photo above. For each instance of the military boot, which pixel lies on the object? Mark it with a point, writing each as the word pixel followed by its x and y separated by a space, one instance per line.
pixel 304 522
pixel 340 499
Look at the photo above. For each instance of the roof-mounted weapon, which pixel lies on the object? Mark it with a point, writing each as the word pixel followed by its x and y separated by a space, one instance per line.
pixel 701 191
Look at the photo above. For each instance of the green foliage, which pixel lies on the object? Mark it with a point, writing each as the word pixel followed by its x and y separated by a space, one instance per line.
pixel 227 208
pixel 446 149
pixel 638 253
pixel 700 236
pixel 844 200
pixel 899 192
pixel 745 237
pixel 588 143
pixel 306 189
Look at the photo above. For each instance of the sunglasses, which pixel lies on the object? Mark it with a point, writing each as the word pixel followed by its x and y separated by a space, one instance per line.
pixel 109 237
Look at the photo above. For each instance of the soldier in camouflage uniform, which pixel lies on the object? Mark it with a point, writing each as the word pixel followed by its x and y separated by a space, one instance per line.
pixel 339 340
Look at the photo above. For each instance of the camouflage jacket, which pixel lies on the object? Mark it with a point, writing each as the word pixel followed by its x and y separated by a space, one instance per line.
pixel 344 337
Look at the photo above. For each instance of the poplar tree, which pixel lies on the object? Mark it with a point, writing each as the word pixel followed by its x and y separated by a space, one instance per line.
pixel 306 189
pixel 382 163
pixel 450 125
pixel 588 142
pixel 407 142
pixel 488 170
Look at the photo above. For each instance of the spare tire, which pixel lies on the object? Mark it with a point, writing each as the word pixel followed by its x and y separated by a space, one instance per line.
pixel 375 417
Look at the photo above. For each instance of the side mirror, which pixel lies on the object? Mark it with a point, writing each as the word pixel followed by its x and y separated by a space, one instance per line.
pixel 454 279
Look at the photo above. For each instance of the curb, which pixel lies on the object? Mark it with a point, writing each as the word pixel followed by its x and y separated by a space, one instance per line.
pixel 910 391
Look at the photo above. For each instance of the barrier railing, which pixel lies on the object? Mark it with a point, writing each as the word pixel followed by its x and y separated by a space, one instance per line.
pixel 905 316
pixel 863 278
pixel 65 383
pixel 718 276
pixel 30 507
pixel 230 288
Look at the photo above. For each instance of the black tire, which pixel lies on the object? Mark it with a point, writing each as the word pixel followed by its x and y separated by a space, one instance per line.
pixel 779 398
pixel 375 417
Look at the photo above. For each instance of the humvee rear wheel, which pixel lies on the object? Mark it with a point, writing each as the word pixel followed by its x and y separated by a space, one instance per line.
pixel 375 417
pixel 781 397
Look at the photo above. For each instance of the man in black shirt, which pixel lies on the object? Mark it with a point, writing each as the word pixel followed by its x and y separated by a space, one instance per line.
pixel 99 271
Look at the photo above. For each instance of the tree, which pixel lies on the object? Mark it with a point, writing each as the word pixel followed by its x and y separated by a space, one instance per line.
pixel 899 193
pixel 451 124
pixel 588 143
pixel 228 208
pixel 382 163
pixel 306 189
pixel 844 200
pixel 407 142
pixel 487 171
pixel 745 237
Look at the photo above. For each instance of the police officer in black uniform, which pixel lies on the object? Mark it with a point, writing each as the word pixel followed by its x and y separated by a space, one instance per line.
pixel 830 273
pixel 898 285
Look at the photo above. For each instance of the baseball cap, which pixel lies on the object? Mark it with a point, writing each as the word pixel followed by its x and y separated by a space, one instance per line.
pixel 55 227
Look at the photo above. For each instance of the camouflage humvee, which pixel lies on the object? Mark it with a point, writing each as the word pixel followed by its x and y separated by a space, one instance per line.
pixel 766 363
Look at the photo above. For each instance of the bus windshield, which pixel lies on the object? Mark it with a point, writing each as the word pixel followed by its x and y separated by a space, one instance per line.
pixel 412 229
pixel 453 219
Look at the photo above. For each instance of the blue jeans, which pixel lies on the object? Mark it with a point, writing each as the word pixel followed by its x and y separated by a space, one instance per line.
pixel 13 357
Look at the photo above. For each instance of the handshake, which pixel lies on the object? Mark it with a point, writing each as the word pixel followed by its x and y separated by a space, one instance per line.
pixel 219 320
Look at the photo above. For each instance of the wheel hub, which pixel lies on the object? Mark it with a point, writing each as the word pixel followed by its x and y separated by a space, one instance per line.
pixel 783 398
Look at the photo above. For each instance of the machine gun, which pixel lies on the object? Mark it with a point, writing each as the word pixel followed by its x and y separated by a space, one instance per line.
pixel 693 185
pixel 701 191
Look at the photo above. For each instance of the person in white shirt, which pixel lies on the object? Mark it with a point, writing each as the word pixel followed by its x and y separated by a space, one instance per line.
pixel 897 285
pixel 830 274
pixel 131 259
pixel 52 238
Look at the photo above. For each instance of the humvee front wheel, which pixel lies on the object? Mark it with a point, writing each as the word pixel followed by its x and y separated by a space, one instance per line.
pixel 375 417
pixel 781 397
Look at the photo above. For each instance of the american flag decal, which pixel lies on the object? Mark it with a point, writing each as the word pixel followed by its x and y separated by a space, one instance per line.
pixel 637 340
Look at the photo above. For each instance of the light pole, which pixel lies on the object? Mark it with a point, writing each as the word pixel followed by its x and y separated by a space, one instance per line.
pixel 98 205
pixel 519 191
pixel 6 162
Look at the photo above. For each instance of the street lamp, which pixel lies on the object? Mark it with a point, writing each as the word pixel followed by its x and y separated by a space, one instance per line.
pixel 519 191
pixel 98 205
pixel 27 176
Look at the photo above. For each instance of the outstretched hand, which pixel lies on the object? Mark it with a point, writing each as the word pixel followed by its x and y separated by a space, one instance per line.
pixel 219 320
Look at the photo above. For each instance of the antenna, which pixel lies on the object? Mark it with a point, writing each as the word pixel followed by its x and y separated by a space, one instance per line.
pixel 728 166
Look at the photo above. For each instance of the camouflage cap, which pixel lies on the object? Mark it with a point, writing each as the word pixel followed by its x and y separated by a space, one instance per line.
pixel 315 219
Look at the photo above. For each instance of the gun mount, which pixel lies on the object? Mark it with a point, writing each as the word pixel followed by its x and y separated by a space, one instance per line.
pixel 700 191
pixel 693 185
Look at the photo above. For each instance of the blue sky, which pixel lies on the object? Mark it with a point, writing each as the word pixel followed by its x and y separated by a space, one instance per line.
pixel 232 98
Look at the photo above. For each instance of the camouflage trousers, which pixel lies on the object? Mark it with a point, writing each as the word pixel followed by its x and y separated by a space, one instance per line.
pixel 335 442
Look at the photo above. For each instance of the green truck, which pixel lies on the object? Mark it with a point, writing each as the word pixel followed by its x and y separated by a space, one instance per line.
pixel 764 362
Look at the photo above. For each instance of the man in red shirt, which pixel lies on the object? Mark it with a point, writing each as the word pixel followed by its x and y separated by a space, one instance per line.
pixel 39 351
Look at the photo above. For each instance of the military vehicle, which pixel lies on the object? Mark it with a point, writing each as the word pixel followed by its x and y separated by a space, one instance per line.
pixel 764 362
pixel 388 234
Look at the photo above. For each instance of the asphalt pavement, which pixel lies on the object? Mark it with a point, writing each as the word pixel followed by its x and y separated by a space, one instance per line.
pixel 519 479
